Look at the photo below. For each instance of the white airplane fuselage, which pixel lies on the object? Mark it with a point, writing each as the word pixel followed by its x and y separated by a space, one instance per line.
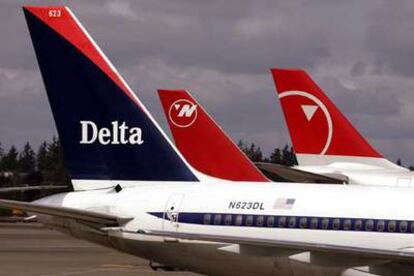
pixel 107 133
pixel 206 208
pixel 366 177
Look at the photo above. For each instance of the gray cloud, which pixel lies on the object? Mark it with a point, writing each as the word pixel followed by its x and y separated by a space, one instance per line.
pixel 391 37
pixel 221 51
pixel 378 100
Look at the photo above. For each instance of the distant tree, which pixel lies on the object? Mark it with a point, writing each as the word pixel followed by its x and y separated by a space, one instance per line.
pixel 293 156
pixel 399 162
pixel 252 151
pixel 53 151
pixel 1 157
pixel 276 156
pixel 285 155
pixel 257 155
pixel 42 160
pixel 288 156
pixel 56 168
pixel 27 159
pixel 1 151
pixel 9 161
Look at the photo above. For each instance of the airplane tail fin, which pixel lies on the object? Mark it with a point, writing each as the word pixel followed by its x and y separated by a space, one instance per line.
pixel 202 142
pixel 320 133
pixel 105 131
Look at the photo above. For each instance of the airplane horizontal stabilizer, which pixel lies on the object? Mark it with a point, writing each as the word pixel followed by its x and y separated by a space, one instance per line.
pixel 65 212
pixel 31 188
pixel 280 173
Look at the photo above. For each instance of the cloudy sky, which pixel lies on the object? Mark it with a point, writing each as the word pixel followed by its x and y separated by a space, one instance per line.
pixel 360 52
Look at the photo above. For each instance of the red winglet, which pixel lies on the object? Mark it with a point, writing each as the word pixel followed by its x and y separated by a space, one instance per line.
pixel 64 22
pixel 202 142
pixel 315 124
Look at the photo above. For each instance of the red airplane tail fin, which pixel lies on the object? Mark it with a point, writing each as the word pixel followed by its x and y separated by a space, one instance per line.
pixel 202 142
pixel 320 133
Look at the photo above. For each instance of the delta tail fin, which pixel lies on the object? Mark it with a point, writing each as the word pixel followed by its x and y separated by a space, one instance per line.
pixel 320 133
pixel 202 142
pixel 106 133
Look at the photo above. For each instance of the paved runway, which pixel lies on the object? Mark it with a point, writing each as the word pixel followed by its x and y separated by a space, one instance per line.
pixel 30 249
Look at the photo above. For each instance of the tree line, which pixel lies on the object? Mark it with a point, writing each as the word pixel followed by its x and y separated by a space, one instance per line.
pixel 46 166
pixel 42 167
pixel 284 156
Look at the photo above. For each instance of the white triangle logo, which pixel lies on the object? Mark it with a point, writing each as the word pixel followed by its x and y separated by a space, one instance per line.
pixel 309 111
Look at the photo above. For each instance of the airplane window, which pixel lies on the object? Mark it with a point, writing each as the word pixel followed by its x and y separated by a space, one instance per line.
pixel 227 220
pixel 217 219
pixel 325 223
pixel 259 221
pixel 358 225
pixel 392 225
pixel 282 221
pixel 207 219
pixel 380 225
pixel 239 220
pixel 249 221
pixel 270 221
pixel 412 227
pixel 292 222
pixel 369 225
pixel 336 224
pixel 403 226
pixel 303 222
pixel 347 224
pixel 314 223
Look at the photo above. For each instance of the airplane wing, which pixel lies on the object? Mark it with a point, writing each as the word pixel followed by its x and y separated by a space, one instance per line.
pixel 64 212
pixel 279 173
pixel 350 253
pixel 31 188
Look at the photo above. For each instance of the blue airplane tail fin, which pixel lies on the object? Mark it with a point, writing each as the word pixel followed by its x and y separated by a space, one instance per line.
pixel 105 131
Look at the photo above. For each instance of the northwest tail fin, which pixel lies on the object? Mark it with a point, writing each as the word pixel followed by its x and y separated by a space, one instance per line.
pixel 105 131
pixel 320 133
pixel 202 142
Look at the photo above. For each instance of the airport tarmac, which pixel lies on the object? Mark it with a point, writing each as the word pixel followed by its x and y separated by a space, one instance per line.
pixel 30 249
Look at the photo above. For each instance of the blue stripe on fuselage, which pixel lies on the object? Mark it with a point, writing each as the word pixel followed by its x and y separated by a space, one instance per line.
pixel 294 222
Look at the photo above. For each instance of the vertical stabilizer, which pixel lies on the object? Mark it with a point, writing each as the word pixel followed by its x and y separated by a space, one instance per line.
pixel 320 133
pixel 106 133
pixel 202 142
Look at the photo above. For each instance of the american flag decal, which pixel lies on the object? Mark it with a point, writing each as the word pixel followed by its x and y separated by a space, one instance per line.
pixel 284 203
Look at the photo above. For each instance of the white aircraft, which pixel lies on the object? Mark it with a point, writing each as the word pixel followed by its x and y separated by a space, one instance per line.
pixel 318 131
pixel 135 192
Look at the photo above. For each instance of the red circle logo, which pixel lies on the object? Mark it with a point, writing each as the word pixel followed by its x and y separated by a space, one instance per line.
pixel 182 113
